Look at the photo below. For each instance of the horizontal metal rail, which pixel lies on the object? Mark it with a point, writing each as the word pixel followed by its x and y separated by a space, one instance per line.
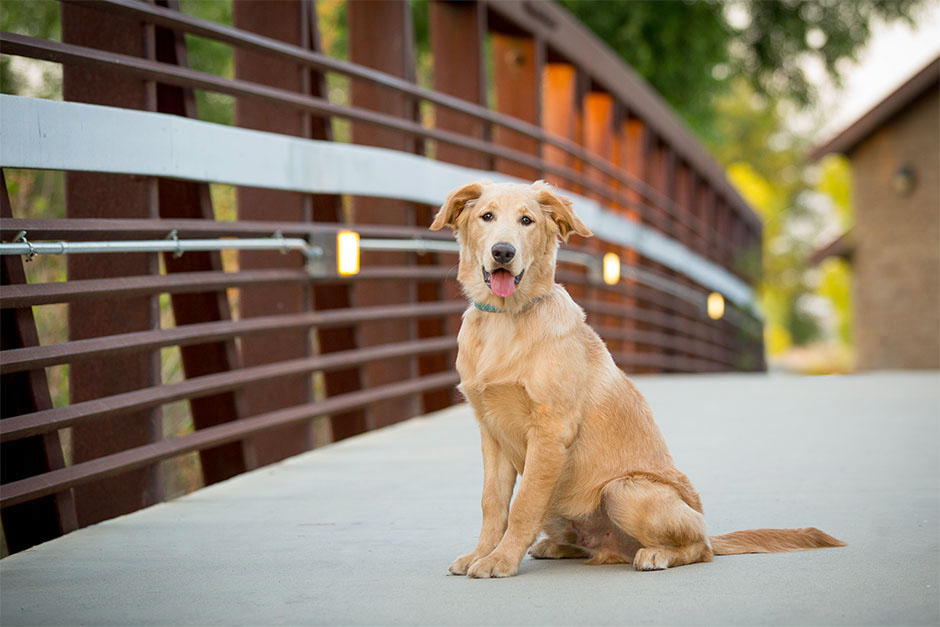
pixel 26 425
pixel 30 358
pixel 673 322
pixel 84 229
pixel 81 290
pixel 171 244
pixel 55 481
pixel 14 296
pixel 668 363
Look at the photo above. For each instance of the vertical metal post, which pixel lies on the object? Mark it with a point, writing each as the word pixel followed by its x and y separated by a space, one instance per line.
pixel 328 208
pixel 380 38
pixel 560 112
pixel 625 142
pixel 282 21
pixel 458 71
pixel 37 521
pixel 183 199
pixel 598 135
pixel 516 77
pixel 559 115
pixel 110 196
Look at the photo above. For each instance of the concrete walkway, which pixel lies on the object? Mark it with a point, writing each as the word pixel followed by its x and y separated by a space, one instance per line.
pixel 362 532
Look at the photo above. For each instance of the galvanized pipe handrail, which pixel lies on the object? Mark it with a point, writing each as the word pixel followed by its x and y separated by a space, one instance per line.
pixel 171 244
pixel 109 229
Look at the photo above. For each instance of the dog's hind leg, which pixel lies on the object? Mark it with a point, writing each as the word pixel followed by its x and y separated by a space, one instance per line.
pixel 671 532
pixel 546 549
pixel 560 543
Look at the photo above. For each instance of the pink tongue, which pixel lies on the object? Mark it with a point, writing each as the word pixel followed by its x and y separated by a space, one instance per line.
pixel 502 283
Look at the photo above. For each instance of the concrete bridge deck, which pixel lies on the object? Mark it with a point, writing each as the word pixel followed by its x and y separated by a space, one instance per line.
pixel 362 532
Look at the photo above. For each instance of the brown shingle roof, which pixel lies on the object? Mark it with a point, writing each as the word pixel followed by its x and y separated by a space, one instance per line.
pixel 846 141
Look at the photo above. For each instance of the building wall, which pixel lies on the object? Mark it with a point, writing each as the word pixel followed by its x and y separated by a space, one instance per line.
pixel 897 259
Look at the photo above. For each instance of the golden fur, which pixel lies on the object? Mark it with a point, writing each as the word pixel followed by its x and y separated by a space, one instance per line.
pixel 597 477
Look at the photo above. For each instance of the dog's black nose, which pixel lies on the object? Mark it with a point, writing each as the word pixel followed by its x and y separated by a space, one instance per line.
pixel 503 253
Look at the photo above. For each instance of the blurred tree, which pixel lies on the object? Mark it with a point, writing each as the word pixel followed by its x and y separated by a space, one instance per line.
pixel 35 18
pixel 736 72
pixel 689 50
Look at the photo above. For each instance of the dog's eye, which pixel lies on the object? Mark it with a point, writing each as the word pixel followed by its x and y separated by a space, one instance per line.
pixel 526 220
pixel 486 217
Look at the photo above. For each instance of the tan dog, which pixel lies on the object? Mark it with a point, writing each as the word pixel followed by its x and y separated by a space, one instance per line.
pixel 597 477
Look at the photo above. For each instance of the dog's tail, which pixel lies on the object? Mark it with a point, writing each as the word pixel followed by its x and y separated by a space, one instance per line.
pixel 772 541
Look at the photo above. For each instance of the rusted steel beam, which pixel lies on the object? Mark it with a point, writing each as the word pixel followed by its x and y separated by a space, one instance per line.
pixel 328 208
pixel 459 71
pixel 381 38
pixel 49 420
pixel 517 68
pixel 97 469
pixel 110 196
pixel 282 21
pixel 598 115
pixel 559 113
pixel 622 144
pixel 25 393
pixel 186 199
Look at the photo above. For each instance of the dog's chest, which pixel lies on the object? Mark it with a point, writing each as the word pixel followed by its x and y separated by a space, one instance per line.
pixel 490 352
pixel 493 366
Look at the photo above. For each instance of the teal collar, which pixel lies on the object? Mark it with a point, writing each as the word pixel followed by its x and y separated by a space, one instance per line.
pixel 492 309
pixel 488 308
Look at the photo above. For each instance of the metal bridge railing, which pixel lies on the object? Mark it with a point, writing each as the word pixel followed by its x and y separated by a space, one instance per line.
pixel 272 341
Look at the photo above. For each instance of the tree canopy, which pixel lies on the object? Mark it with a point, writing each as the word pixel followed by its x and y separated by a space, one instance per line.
pixel 690 51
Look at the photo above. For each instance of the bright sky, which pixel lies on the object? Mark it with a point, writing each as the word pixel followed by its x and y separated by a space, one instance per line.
pixel 894 53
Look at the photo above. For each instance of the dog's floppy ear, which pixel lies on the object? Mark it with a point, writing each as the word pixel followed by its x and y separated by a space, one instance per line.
pixel 455 203
pixel 561 210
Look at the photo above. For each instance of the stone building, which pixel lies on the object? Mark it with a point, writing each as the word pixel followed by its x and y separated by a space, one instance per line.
pixel 894 246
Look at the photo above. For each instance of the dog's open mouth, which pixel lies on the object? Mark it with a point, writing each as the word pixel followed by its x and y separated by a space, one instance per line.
pixel 501 281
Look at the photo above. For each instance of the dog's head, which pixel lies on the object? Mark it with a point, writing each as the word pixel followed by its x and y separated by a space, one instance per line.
pixel 508 236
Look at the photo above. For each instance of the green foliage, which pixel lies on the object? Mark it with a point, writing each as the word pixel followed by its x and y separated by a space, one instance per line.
pixel 211 57
pixel 767 167
pixel 734 71
pixel 689 50
pixel 835 181
pixel 835 285
pixel 35 18
pixel 672 45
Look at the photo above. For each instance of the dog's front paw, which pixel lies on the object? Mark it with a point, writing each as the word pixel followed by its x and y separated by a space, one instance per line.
pixel 462 563
pixel 493 565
